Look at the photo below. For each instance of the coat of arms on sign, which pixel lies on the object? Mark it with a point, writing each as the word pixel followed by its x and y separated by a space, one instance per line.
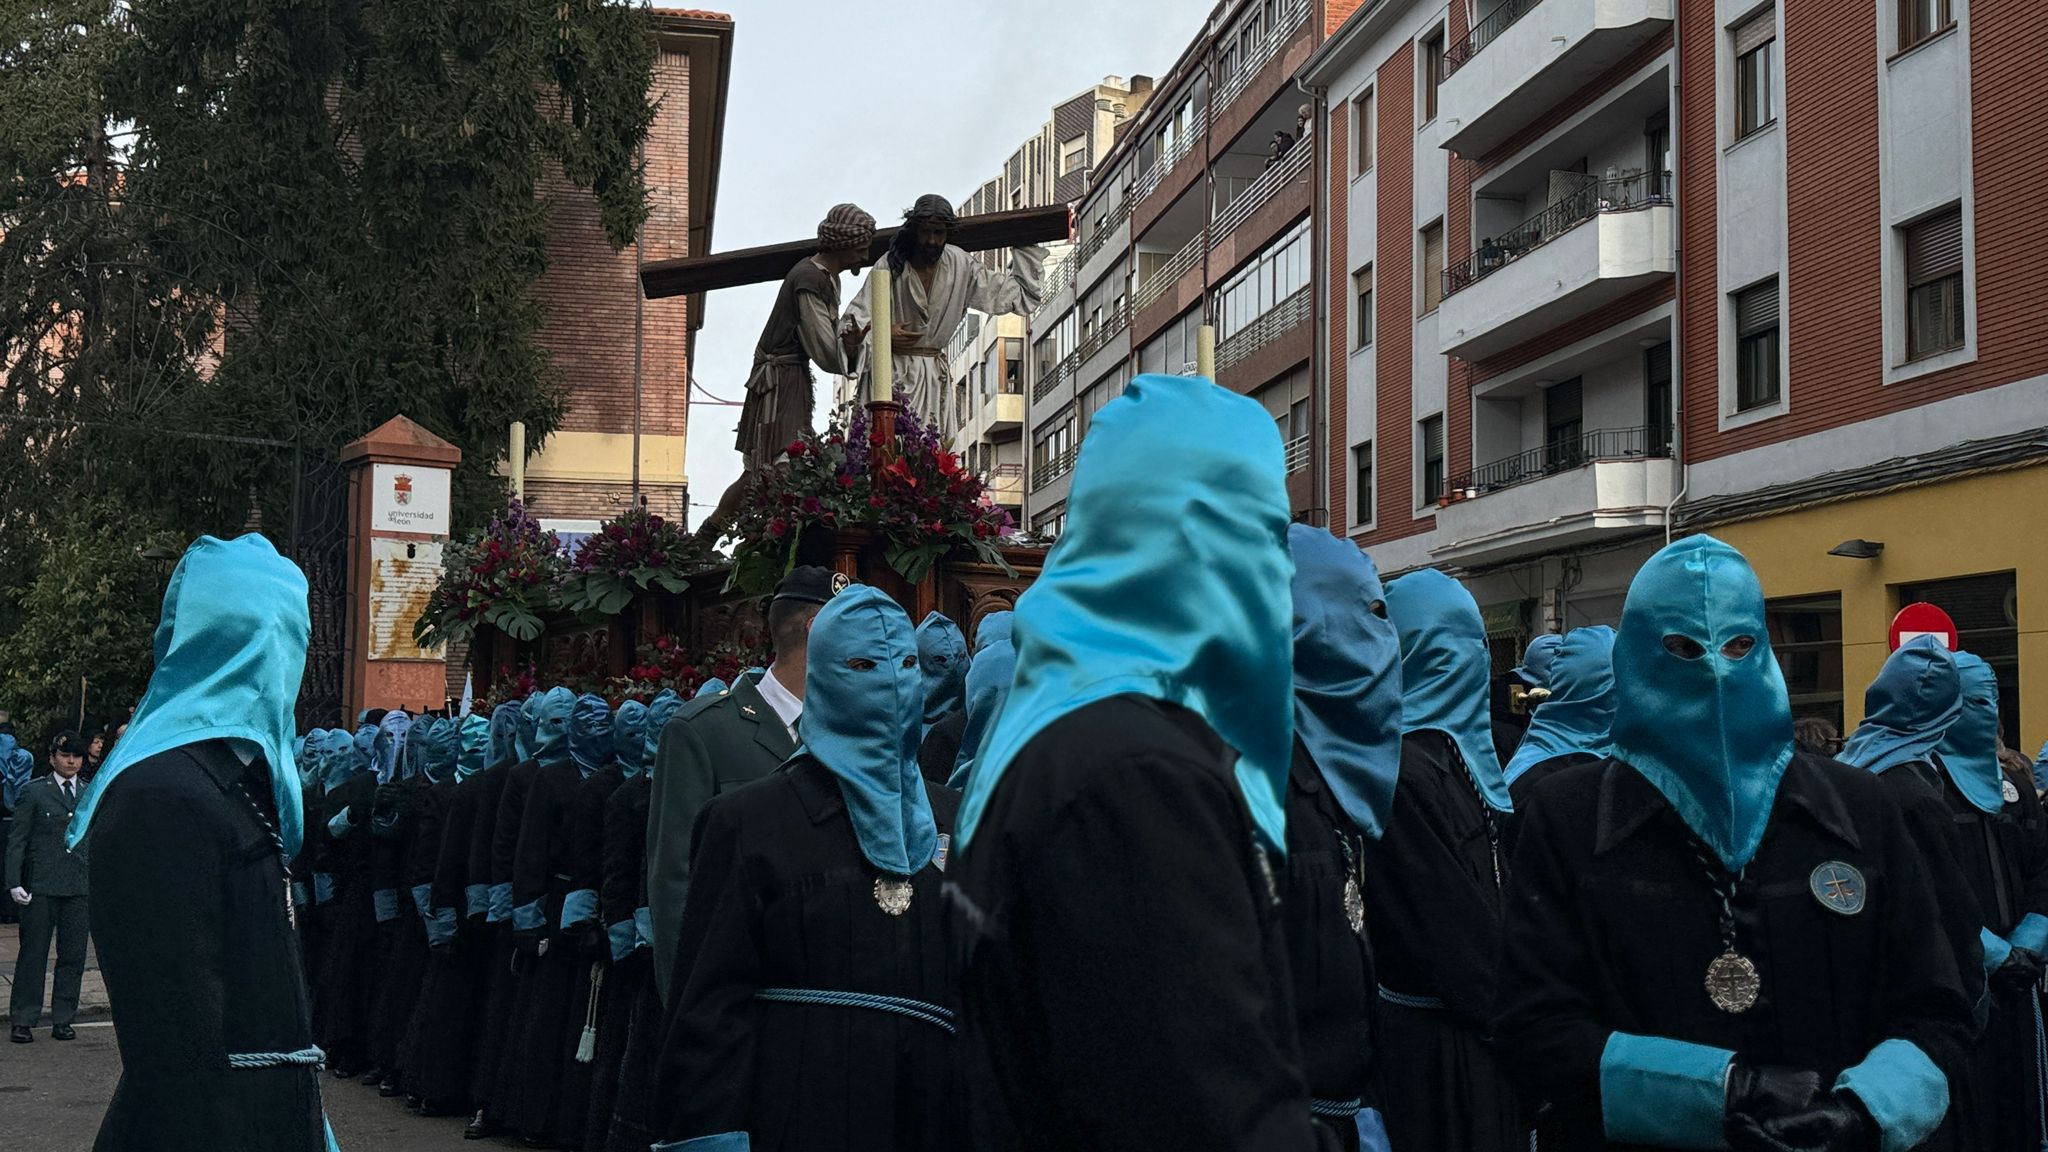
pixel 401 488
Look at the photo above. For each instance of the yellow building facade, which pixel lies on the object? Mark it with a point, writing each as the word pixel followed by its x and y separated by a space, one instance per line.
pixel 1977 546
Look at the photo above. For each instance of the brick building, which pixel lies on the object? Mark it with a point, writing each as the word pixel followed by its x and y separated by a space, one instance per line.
pixel 1594 274
pixel 626 359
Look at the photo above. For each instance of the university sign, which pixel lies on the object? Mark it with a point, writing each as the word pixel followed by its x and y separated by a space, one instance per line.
pixel 406 498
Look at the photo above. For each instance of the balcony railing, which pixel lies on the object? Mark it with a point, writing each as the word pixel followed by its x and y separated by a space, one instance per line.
pixel 1592 197
pixel 1278 320
pixel 1172 156
pixel 1057 278
pixel 1297 455
pixel 1106 229
pixel 1563 455
pixel 1485 32
pixel 1115 321
pixel 1239 208
pixel 1168 274
pixel 1284 24
pixel 1057 466
pixel 1051 378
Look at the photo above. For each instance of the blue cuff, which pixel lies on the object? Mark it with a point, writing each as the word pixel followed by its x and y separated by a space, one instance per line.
pixel 528 917
pixel 2030 933
pixel 385 901
pixel 476 899
pixel 300 896
pixel 500 906
pixel 422 896
pixel 643 927
pixel 622 939
pixel 1372 1131
pixel 440 927
pixel 723 1142
pixel 1995 950
pixel 1902 1090
pixel 1663 1092
pixel 338 825
pixel 579 906
pixel 323 887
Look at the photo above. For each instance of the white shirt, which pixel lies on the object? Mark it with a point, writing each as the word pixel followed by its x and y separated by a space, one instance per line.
pixel 70 786
pixel 788 707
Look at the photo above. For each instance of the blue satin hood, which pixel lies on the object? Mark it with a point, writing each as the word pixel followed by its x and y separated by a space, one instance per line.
pixel 526 737
pixel 863 724
pixel 390 748
pixel 1709 729
pixel 1907 709
pixel 337 758
pixel 1580 709
pixel 230 650
pixel 365 745
pixel 1170 582
pixel 590 733
pixel 1969 752
pixel 659 714
pixel 942 658
pixel 1347 675
pixel 1537 659
pixel 444 747
pixel 551 725
pixel 1445 673
pixel 988 686
pixel 994 628
pixel 475 738
pixel 17 765
pixel 629 737
pixel 504 722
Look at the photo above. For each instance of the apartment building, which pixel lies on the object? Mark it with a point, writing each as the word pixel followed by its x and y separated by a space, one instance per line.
pixel 1199 213
pixel 1598 273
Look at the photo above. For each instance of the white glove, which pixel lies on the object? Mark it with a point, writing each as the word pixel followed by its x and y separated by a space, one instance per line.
pixel 20 895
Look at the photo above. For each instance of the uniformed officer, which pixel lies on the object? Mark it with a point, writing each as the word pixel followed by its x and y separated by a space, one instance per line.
pixel 47 881
pixel 1713 940
pixel 716 743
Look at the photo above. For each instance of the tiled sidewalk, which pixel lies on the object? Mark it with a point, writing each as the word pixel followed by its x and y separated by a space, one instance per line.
pixel 92 993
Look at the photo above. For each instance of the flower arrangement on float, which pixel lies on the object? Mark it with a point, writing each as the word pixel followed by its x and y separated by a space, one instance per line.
pixel 505 576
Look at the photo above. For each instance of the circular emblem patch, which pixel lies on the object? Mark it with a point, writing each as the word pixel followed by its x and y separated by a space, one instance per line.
pixel 2012 792
pixel 839 582
pixel 1839 887
pixel 892 893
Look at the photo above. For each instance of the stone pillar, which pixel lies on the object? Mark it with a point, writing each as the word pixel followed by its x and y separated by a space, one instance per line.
pixel 398 519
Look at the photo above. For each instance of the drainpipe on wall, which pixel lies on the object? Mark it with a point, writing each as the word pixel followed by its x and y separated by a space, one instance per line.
pixel 1319 308
pixel 1678 288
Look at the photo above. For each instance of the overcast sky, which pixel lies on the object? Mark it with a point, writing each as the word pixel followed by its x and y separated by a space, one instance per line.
pixel 877 102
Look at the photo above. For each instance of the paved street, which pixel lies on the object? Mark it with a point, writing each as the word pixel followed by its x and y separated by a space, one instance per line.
pixel 52 1096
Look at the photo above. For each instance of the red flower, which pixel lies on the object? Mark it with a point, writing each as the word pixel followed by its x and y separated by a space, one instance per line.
pixel 796 449
pixel 778 527
pixel 663 643
pixel 983 531
pixel 949 465
pixel 846 481
pixel 811 506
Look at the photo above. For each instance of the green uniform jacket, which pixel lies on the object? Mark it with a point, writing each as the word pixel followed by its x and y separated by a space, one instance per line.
pixel 36 857
pixel 711 745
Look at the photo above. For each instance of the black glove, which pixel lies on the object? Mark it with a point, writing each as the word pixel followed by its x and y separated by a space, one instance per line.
pixel 2021 970
pixel 1777 1109
pixel 588 942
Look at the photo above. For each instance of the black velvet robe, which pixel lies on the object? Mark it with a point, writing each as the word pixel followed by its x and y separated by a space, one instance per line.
pixel 1126 983
pixel 547 1091
pixel 348 964
pixel 509 966
pixel 782 898
pixel 623 833
pixel 633 1122
pixel 396 866
pixel 445 1022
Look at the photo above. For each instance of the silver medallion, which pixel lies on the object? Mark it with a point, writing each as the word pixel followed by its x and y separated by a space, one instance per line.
pixel 1732 982
pixel 892 894
pixel 2010 791
pixel 1354 905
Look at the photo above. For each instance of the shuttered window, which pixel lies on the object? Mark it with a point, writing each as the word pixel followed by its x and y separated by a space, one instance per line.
pixel 1432 267
pixel 1432 437
pixel 1361 487
pixel 1934 284
pixel 1756 346
pixel 1755 101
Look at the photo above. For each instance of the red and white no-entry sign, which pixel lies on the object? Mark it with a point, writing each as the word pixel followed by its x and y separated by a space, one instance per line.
pixel 1915 620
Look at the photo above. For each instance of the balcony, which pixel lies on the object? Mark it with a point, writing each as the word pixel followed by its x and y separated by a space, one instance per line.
pixel 1004 412
pixel 1050 378
pixel 1052 469
pixel 1297 455
pixel 1254 194
pixel 1279 320
pixel 1005 484
pixel 1248 69
pixel 1526 56
pixel 1591 246
pixel 1166 163
pixel 1604 485
pixel 1168 274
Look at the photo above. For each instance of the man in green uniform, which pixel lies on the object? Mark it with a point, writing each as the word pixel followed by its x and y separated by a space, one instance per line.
pixel 716 743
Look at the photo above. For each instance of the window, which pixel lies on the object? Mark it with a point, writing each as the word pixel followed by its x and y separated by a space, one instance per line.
pixel 1924 20
pixel 1265 282
pixel 1934 284
pixel 1755 39
pixel 1432 430
pixel 1361 484
pixel 1986 612
pixel 1657 400
pixel 1052 453
pixel 1756 346
pixel 1564 424
pixel 1432 267
pixel 1361 287
pixel 1806 637
pixel 1013 364
pixel 1052 523
pixel 1432 65
pixel 1073 155
pixel 1361 132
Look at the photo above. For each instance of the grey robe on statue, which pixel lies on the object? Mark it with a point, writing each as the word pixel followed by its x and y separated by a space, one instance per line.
pixel 959 284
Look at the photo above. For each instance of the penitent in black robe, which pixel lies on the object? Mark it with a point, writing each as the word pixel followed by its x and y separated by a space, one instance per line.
pixel 633 1108
pixel 1126 982
pixel 414 813
pixel 1434 903
pixel 782 901
pixel 441 1045
pixel 509 966
pixel 348 964
pixel 623 833
pixel 398 1007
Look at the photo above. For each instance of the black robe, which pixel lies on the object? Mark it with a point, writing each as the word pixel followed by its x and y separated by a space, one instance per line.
pixel 941 747
pixel 405 983
pixel 312 801
pixel 1331 962
pixel 441 1049
pixel 509 966
pixel 781 898
pixel 632 1122
pixel 1613 920
pixel 348 963
pixel 1434 902
pixel 396 866
pixel 547 1090
pixel 1126 983
pixel 201 961
pixel 623 834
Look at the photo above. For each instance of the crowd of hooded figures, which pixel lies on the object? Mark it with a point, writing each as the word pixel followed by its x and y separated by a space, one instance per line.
pixel 1210 844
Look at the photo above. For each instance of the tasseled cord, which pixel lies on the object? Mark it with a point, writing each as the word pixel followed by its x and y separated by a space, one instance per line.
pixel 586 1048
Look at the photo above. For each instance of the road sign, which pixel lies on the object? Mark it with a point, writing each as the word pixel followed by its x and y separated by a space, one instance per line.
pixel 1923 619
